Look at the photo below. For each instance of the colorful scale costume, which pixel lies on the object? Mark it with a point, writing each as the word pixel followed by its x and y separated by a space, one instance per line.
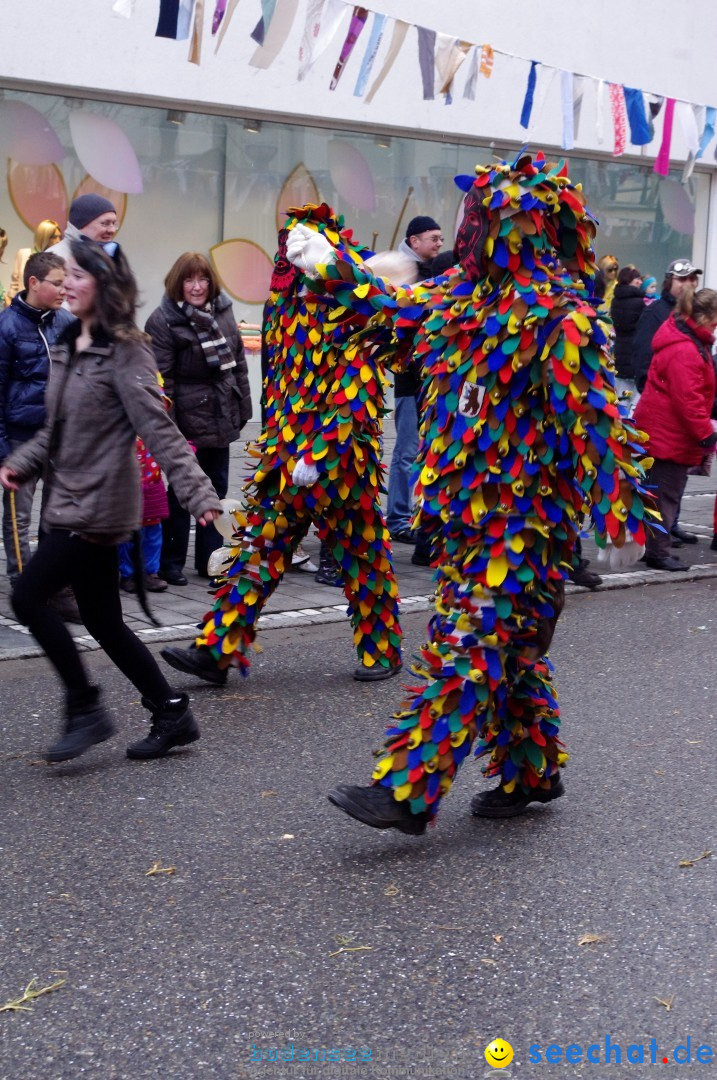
pixel 521 435
pixel 324 404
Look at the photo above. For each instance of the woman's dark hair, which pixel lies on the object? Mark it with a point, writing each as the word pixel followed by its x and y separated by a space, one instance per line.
pixel 116 299
pixel 626 275
pixel 700 306
pixel 191 264
pixel 599 285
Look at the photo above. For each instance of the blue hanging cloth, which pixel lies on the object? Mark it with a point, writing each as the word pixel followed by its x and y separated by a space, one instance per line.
pixel 640 133
pixel 529 94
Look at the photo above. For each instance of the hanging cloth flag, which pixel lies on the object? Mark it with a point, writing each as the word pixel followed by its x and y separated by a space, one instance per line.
pixel 547 78
pixel 640 134
pixel 374 42
pixel 600 112
pixel 168 16
pixel 469 90
pixel 692 118
pixel 427 61
pixel 219 12
pixel 195 46
pixel 184 22
pixel 529 94
pixel 450 54
pixel 262 27
pixel 566 91
pixel 487 58
pixel 276 36
pixel 662 162
pixel 123 8
pixel 222 19
pixel 400 29
pixel 358 21
pixel 578 95
pixel 654 104
pixel 708 132
pixel 619 118
pixel 321 30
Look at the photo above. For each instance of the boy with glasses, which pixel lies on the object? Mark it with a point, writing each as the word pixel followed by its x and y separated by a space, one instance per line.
pixel 28 328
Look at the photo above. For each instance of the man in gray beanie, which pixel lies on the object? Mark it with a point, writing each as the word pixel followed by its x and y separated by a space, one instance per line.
pixel 91 216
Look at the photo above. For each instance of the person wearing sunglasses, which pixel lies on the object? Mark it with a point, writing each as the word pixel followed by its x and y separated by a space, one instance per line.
pixel 103 392
pixel 610 268
pixel 680 274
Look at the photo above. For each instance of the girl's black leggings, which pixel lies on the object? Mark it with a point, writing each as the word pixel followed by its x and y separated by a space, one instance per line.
pixel 63 558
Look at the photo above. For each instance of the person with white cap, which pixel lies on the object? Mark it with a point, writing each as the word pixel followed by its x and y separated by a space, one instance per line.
pixel 91 216
pixel 679 273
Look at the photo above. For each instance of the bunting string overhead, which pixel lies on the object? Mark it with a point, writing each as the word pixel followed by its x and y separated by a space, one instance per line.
pixel 440 55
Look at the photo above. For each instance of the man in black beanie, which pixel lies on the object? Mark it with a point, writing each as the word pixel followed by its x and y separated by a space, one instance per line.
pixel 91 216
pixel 423 242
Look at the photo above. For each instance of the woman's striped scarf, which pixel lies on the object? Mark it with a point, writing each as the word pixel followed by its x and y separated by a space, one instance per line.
pixel 217 351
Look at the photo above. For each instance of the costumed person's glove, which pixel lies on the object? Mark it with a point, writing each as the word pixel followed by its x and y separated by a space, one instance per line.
pixel 226 523
pixel 307 249
pixel 304 475
pixel 618 558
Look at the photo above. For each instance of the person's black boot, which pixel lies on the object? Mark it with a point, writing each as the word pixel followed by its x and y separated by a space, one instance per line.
pixel 376 806
pixel 682 536
pixel 377 673
pixel 194 661
pixel 328 572
pixel 499 804
pixel 87 723
pixel 173 724
pixel 580 575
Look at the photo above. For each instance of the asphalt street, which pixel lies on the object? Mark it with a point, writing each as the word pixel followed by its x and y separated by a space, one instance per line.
pixel 272 920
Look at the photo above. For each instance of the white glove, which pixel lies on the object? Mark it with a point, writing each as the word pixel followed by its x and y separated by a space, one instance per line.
pixel 620 557
pixel 304 475
pixel 227 524
pixel 220 560
pixel 307 249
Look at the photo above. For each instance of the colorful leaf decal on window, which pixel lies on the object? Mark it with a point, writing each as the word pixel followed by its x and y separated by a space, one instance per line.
pixel 105 152
pixel 26 136
pixel 37 192
pixel 351 176
pixel 91 187
pixel 244 269
pixel 299 188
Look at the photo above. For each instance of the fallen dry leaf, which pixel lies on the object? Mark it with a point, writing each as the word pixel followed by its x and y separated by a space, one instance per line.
pixel 498 938
pixel 157 868
pixel 666 1002
pixel 29 994
pixel 392 890
pixel 691 862
pixel 487 960
pixel 592 939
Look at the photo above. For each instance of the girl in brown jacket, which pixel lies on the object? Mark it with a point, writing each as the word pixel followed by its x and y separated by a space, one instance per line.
pixel 102 393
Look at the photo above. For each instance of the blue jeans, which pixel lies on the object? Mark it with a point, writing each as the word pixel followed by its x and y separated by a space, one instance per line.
pixel 151 540
pixel 401 477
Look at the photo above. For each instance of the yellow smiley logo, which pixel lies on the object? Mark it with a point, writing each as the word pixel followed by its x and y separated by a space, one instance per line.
pixel 499 1053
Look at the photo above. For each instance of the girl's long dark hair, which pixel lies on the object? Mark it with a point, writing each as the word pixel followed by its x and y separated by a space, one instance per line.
pixel 117 293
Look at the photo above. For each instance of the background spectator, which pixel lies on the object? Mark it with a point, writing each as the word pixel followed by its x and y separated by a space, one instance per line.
pixel 627 306
pixel 675 410
pixel 47 233
pixel 200 356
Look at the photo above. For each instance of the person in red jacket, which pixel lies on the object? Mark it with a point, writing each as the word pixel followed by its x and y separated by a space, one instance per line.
pixel 675 409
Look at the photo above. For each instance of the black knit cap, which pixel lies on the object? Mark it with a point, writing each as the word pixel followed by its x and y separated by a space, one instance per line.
pixel 421 224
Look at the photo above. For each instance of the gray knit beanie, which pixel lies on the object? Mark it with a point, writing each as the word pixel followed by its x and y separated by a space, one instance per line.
pixel 86 208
